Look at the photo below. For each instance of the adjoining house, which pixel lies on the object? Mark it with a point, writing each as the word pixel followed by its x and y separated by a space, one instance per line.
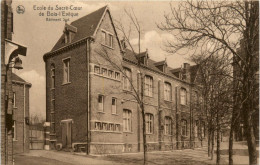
pixel 20 114
pixel 89 104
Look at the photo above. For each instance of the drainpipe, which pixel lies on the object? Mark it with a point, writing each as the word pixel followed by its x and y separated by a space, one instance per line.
pixel 24 129
pixel 88 96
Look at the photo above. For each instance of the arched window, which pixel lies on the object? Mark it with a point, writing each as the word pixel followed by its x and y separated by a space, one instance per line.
pixel 127 120
pixel 52 76
pixel 184 127
pixel 167 125
pixel 167 91
pixel 148 86
pixel 183 94
pixel 149 123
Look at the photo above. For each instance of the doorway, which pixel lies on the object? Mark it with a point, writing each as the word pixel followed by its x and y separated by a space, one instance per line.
pixel 66 130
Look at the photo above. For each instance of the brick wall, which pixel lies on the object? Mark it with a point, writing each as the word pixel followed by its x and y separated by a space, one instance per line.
pixel 21 143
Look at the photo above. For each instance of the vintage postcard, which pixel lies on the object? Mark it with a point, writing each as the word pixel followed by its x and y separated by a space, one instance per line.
pixel 129 82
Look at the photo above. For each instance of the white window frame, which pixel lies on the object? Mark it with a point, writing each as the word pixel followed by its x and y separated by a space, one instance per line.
pixel 183 96
pixel 148 85
pixel 67 73
pixel 167 125
pixel 15 131
pixel 101 105
pixel 126 79
pixel 14 100
pixel 184 129
pixel 149 119
pixel 114 107
pixel 127 120
pixel 167 91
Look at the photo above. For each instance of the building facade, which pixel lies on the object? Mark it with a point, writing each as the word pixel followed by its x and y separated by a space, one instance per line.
pixel 20 114
pixel 91 105
pixel 9 59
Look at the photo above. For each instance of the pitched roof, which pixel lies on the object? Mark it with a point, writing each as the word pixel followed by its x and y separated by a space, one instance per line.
pixel 86 27
pixel 130 56
pixel 17 78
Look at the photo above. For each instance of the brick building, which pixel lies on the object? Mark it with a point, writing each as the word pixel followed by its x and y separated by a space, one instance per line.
pixel 89 102
pixel 20 114
pixel 9 59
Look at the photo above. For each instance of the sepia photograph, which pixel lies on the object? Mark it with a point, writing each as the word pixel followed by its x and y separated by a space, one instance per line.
pixel 129 82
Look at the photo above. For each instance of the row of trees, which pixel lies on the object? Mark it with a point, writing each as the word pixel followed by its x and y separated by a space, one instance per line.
pixel 211 32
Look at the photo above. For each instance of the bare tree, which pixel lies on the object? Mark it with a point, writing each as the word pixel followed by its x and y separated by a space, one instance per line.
pixel 137 91
pixel 214 25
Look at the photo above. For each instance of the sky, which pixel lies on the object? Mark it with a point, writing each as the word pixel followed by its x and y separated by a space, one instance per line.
pixel 39 36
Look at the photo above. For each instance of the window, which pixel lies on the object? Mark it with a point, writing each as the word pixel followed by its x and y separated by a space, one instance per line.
pixel 14 99
pixel 104 71
pixel 202 129
pixel 111 73
pixel 110 40
pixel 117 76
pixel 196 129
pixel 167 91
pixel 127 120
pixel 66 70
pixel 114 105
pixel 101 103
pixel 107 39
pixel 148 91
pixel 52 77
pixel 126 79
pixel 149 123
pixel 14 130
pixel 117 127
pixel 97 69
pixel 183 127
pixel 183 96
pixel 168 126
pixel 111 127
pixel 98 126
pixel 196 98
pixel 104 126
pixel 104 37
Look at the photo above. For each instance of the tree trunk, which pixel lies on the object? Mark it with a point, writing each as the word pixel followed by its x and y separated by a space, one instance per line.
pixel 250 141
pixel 230 148
pixel 218 142
pixel 212 144
pixel 209 141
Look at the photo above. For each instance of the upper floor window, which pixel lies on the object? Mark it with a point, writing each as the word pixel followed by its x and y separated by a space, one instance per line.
pixel 126 79
pixel 97 69
pixel 196 129
pixel 111 73
pixel 66 70
pixel 114 105
pixel 117 75
pixel 183 94
pixel 184 128
pixel 202 129
pixel 104 71
pixel 127 120
pixel 167 91
pixel 101 103
pixel 168 126
pixel 149 123
pixel 107 39
pixel 52 77
pixel 148 87
pixel 14 99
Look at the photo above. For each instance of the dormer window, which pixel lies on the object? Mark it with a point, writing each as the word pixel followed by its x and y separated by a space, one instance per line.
pixel 162 65
pixel 69 32
pixel 143 57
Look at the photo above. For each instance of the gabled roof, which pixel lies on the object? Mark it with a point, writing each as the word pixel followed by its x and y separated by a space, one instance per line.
pixel 130 56
pixel 17 78
pixel 160 63
pixel 86 27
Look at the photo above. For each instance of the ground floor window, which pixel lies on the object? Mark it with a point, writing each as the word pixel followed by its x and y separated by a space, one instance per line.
pixel 127 120
pixel 184 127
pixel 168 126
pixel 149 123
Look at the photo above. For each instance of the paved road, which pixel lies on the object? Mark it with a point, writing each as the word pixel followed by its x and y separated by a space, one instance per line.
pixel 177 157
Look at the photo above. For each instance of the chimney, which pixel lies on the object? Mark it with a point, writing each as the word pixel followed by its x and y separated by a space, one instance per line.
pixel 186 72
pixel 123 44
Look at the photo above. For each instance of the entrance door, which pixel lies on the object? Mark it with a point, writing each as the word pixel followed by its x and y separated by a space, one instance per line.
pixel 66 126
